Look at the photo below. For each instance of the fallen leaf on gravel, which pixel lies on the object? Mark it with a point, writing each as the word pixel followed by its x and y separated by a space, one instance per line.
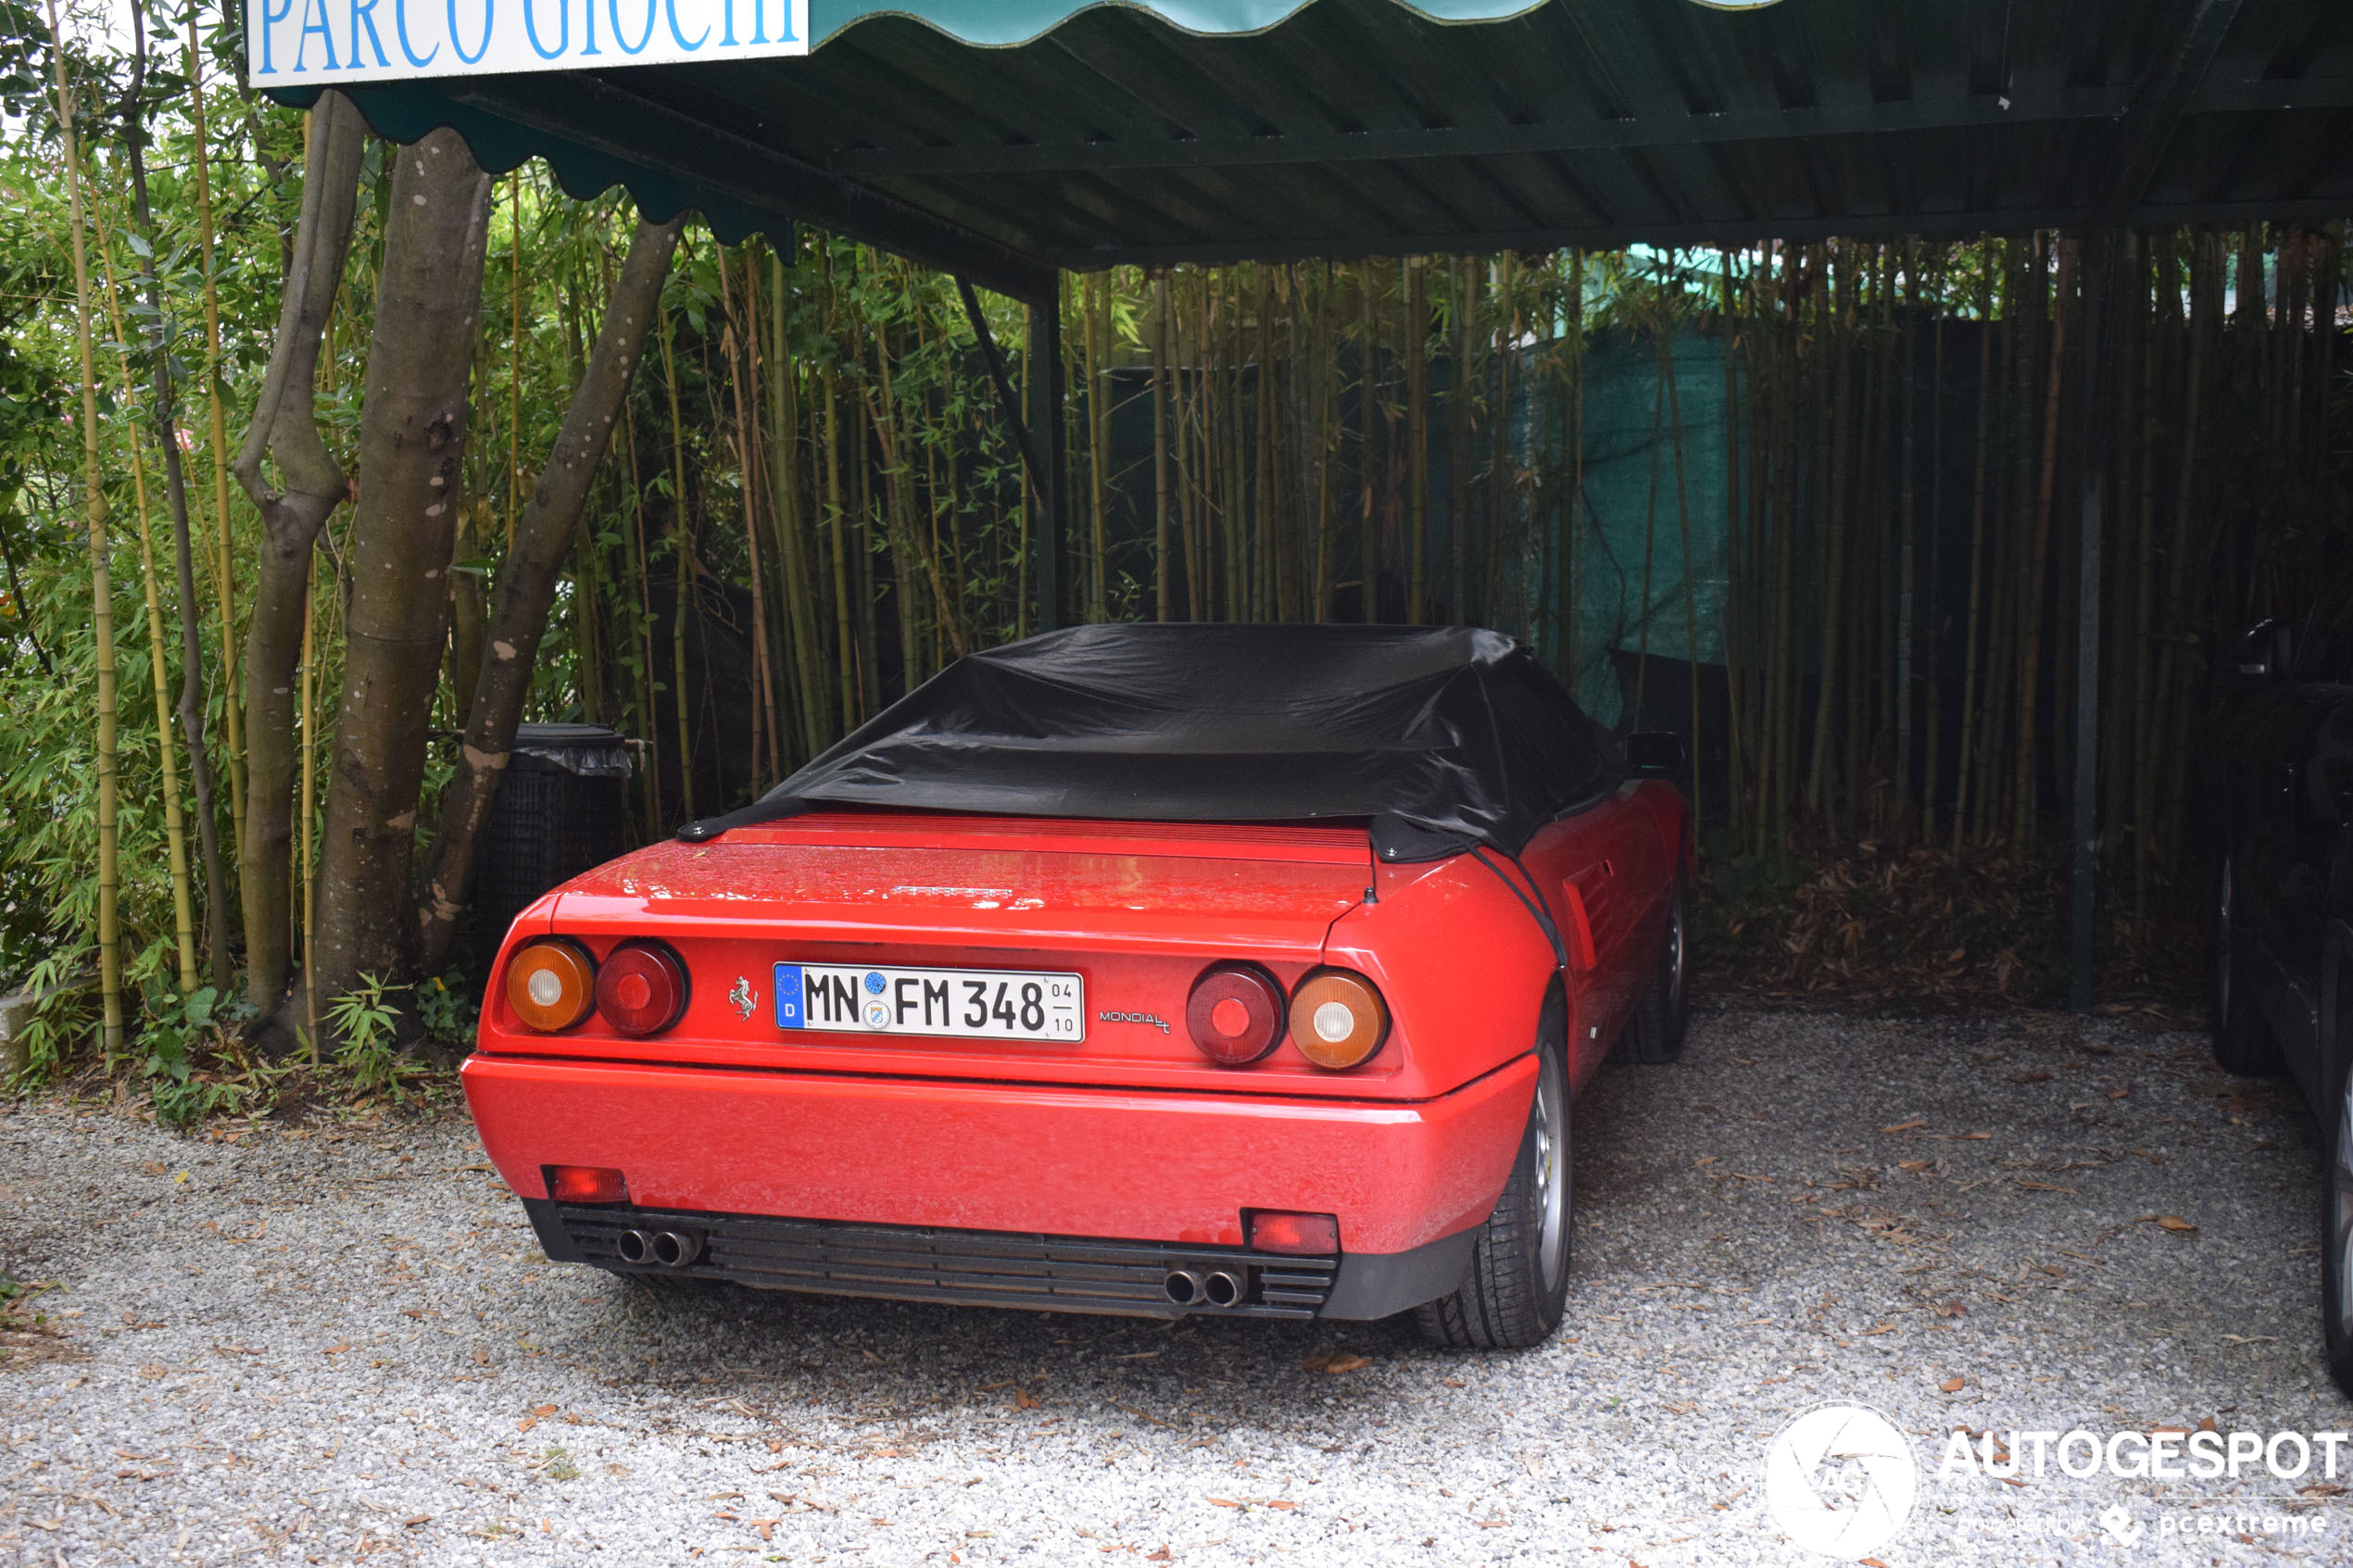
pixel 1454 1383
pixel 2322 1490
pixel 416 1519
pixel 1954 1385
pixel 2174 1222
pixel 335 1350
pixel 2037 1076
pixel 153 1167
pixel 1024 1400
pixel 1906 1126
pixel 1870 1562
pixel 1915 1166
pixel 2122 1092
pixel 1347 1361
pixel 2252 1338
pixel 153 1371
pixel 526 1424
pixel 1282 1503
pixel 2012 1481
pixel 1162 1555
pixel 544 1411
pixel 1953 1308
pixel 2206 1425
pixel 1883 1328
pixel 1224 1502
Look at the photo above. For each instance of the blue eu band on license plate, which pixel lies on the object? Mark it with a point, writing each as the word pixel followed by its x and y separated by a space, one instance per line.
pixel 974 1004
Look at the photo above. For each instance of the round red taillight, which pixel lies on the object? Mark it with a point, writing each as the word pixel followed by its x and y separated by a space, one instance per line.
pixel 641 988
pixel 549 984
pixel 1235 1014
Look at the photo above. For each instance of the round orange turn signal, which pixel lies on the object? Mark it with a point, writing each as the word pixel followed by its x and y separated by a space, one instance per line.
pixel 1338 1019
pixel 551 984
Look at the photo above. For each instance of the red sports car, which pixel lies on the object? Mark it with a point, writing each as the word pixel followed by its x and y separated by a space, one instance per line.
pixel 1156 970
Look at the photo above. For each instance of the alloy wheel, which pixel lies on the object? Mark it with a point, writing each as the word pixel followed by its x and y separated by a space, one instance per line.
pixel 1550 1155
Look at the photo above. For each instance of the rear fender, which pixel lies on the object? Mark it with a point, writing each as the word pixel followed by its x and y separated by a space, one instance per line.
pixel 1465 970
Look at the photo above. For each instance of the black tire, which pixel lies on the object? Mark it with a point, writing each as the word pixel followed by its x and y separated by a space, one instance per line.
pixel 2243 1043
pixel 1662 1016
pixel 2336 1232
pixel 1518 1285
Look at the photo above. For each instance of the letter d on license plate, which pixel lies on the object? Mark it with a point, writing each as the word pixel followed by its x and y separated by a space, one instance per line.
pixel 970 1004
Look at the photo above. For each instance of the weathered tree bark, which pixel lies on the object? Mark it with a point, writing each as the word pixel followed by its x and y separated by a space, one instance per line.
pixel 285 427
pixel 527 588
pixel 413 438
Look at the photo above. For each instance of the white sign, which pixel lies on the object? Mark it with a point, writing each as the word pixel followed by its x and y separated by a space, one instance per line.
pixel 330 42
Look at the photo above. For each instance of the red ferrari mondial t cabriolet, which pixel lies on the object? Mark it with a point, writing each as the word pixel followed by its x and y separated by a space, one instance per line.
pixel 1158 970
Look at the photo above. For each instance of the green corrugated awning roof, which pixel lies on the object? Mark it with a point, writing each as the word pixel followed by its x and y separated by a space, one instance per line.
pixel 1005 139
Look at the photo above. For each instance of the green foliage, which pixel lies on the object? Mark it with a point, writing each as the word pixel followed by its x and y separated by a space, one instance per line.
pixel 447 1011
pixel 365 1025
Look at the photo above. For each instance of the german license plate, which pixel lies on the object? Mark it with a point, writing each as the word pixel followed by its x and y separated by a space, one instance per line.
pixel 971 1004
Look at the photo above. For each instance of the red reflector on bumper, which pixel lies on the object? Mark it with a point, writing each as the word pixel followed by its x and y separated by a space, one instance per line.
pixel 1304 1235
pixel 586 1183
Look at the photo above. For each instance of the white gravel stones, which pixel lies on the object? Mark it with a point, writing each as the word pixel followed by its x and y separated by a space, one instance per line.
pixel 326 1347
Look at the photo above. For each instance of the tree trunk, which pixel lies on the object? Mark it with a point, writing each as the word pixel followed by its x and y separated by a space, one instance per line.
pixel 413 438
pixel 285 428
pixel 527 589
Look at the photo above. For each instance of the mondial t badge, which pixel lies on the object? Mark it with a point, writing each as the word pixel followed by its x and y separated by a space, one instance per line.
pixel 741 998
pixel 1153 1019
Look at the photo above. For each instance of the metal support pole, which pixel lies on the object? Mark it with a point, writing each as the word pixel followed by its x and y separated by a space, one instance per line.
pixel 1045 426
pixel 2098 273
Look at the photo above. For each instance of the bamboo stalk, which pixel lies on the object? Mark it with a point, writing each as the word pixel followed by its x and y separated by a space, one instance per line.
pixel 1367 396
pixel 306 832
pixel 2030 658
pixel 1164 587
pixel 764 717
pixel 174 830
pixel 109 876
pixel 1096 336
pixel 1690 567
pixel 1908 518
pixel 1415 341
pixel 784 493
pixel 515 355
pixel 224 575
pixel 681 562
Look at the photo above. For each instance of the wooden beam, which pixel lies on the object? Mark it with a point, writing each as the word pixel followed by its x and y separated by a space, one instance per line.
pixel 1594 135
pixel 628 128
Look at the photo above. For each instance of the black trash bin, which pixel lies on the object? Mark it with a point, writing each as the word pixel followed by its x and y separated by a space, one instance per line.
pixel 560 812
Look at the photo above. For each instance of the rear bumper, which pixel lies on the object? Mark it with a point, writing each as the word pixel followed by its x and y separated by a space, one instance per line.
pixel 1010 1194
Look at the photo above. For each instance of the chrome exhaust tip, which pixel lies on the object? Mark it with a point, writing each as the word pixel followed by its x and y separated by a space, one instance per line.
pixel 635 1247
pixel 1184 1287
pixel 676 1249
pixel 1220 1288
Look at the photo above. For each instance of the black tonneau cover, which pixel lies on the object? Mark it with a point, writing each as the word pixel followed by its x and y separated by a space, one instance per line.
pixel 1442 738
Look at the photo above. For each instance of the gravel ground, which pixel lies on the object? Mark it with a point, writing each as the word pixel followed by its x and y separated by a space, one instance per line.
pixel 320 1345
